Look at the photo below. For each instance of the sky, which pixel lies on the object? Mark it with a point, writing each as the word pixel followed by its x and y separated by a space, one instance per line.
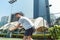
pixel 55 8
pixel 23 5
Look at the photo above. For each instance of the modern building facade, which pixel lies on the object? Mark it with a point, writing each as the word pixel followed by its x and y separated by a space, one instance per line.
pixel 13 18
pixel 41 9
pixel 4 19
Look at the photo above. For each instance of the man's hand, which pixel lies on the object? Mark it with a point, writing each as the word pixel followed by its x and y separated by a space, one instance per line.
pixel 14 27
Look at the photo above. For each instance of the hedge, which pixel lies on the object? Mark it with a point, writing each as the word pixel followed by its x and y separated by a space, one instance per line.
pixel 34 35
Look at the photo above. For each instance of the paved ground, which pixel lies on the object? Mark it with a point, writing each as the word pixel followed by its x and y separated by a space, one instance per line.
pixel 10 39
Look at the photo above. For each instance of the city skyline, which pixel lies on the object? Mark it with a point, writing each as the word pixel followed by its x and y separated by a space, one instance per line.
pixel 5 7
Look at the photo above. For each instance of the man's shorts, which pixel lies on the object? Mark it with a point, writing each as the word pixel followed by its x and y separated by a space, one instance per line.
pixel 29 32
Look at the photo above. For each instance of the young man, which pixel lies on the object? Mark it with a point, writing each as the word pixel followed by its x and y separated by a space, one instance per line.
pixel 27 25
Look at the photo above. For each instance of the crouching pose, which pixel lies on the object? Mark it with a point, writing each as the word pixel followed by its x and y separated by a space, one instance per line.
pixel 27 25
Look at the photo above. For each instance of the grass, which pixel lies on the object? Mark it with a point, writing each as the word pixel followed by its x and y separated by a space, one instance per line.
pixel 10 39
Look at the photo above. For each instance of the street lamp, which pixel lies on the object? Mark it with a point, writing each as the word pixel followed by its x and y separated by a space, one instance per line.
pixel 12 1
pixel 49 5
pixel 9 34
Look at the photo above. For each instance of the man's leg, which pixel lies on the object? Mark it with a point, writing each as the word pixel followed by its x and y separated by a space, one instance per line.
pixel 25 37
pixel 29 38
pixel 28 33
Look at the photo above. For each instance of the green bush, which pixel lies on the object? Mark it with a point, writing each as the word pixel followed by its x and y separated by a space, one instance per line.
pixel 55 31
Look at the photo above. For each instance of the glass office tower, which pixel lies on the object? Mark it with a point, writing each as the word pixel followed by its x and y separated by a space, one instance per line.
pixel 41 9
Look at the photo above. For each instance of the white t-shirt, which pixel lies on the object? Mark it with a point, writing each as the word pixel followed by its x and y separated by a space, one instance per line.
pixel 26 23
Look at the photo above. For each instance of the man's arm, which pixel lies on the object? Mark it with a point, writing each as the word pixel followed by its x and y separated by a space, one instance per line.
pixel 15 27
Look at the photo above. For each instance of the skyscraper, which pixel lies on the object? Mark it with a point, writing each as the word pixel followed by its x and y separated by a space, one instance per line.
pixel 13 18
pixel 41 9
pixel 4 19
